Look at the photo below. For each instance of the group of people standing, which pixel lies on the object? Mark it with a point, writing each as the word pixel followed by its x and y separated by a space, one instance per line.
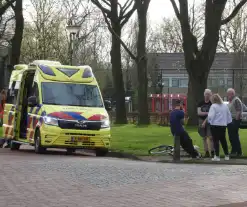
pixel 215 117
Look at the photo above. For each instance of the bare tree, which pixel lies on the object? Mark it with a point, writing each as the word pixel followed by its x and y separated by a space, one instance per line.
pixel 140 58
pixel 198 60
pixel 167 37
pixel 129 66
pixel 116 16
pixel 16 40
pixel 233 38
pixel 83 14
pixel 233 35
pixel 47 20
pixel 45 35
pixel 7 18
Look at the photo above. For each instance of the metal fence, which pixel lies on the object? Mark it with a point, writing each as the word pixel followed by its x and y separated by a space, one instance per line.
pixel 219 80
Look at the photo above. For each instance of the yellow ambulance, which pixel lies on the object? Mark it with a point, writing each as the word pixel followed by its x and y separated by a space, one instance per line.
pixel 50 105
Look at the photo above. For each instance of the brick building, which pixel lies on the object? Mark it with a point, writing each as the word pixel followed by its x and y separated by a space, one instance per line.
pixel 228 70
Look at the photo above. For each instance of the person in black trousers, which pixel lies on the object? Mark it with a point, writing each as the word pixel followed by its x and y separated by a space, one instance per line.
pixel 219 117
pixel 177 129
pixel 236 108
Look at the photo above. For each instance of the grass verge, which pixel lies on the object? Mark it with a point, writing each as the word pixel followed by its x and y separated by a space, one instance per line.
pixel 138 140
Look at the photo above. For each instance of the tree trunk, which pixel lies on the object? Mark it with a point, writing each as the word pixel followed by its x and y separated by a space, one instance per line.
pixel 142 65
pixel 118 83
pixel 197 85
pixel 2 74
pixel 17 39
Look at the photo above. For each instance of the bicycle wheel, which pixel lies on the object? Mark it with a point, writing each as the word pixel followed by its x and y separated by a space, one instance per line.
pixel 162 149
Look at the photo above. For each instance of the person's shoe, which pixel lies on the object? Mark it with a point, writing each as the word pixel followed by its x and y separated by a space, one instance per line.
pixel 212 154
pixel 227 157
pixel 199 156
pixel 216 158
pixel 207 155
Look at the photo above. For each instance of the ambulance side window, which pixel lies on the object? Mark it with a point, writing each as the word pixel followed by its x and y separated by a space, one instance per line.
pixel 12 94
pixel 36 90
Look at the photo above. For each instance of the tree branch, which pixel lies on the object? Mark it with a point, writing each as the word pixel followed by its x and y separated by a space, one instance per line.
pixel 106 2
pixel 175 7
pixel 120 40
pixel 126 17
pixel 6 6
pixel 103 9
pixel 125 7
pixel 234 12
pixel 5 26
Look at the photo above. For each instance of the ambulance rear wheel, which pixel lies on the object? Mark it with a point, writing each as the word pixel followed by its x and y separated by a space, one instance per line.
pixel 14 146
pixel 37 143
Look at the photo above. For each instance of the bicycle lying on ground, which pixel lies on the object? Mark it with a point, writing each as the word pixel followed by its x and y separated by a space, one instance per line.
pixel 169 150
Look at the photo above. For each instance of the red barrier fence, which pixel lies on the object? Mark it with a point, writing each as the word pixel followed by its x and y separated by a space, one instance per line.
pixel 162 103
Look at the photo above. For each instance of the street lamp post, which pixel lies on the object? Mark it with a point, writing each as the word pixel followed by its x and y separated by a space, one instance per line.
pixel 160 86
pixel 73 29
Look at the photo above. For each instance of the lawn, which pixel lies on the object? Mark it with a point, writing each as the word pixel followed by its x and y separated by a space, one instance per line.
pixel 1 132
pixel 138 140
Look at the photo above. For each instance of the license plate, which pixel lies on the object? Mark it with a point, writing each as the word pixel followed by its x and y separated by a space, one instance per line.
pixel 80 139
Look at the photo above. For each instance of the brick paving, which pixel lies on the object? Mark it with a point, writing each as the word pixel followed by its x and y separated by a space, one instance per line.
pixel 57 180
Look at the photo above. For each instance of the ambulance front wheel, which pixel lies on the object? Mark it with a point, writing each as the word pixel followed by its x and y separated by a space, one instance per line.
pixel 101 152
pixel 37 143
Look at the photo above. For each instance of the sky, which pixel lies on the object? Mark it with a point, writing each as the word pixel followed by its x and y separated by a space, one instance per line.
pixel 159 9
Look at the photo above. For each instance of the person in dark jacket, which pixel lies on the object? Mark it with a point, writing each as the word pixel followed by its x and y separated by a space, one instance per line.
pixel 204 127
pixel 177 129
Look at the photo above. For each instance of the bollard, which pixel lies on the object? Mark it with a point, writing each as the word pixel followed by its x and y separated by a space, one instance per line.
pixel 176 152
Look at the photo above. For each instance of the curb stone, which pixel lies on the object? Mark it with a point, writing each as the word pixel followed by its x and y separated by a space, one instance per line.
pixel 123 155
pixel 115 154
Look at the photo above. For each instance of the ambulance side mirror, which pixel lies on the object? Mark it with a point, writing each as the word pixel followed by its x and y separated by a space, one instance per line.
pixel 32 101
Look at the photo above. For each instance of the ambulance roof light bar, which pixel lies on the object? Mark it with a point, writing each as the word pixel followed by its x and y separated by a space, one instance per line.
pixel 45 62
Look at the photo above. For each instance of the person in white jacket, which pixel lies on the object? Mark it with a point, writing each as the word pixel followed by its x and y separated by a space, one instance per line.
pixel 219 117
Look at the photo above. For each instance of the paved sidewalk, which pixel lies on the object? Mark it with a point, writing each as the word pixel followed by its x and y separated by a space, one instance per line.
pixel 242 204
pixel 57 180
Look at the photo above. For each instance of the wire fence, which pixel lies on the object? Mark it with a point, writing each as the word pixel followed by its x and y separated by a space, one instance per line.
pixel 174 81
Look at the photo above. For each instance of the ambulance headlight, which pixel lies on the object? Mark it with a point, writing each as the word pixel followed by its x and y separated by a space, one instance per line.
pixel 50 121
pixel 105 123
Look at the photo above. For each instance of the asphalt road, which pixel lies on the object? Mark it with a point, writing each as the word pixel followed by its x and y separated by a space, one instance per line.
pixel 59 180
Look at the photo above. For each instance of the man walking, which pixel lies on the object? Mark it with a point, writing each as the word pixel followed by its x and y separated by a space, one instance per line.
pixel 236 108
pixel 204 127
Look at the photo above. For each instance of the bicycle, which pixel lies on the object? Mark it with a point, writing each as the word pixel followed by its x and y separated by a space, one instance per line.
pixel 169 150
